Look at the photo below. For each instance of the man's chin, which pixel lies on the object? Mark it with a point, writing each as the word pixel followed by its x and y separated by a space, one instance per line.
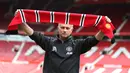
pixel 65 36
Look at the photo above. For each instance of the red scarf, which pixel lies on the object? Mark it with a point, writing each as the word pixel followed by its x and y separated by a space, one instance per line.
pixel 84 20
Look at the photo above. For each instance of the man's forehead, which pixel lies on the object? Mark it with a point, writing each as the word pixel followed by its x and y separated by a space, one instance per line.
pixel 66 25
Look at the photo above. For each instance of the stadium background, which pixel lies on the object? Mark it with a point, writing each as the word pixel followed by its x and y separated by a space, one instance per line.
pixel 19 54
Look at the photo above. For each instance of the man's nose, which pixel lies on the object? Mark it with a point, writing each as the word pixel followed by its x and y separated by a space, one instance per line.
pixel 65 29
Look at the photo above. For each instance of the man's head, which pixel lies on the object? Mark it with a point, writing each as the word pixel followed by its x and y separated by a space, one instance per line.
pixel 64 30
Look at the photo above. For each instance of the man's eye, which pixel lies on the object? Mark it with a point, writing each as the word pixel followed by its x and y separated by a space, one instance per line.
pixel 62 27
pixel 67 28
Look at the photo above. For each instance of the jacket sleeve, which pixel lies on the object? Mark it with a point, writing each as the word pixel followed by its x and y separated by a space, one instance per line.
pixel 41 40
pixel 87 43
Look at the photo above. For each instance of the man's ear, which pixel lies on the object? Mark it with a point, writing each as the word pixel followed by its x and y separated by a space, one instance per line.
pixel 58 26
pixel 72 28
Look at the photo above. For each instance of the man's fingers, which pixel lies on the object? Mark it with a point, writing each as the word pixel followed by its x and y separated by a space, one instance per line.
pixel 16 12
pixel 108 19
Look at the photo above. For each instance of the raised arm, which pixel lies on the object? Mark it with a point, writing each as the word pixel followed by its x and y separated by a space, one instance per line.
pixel 40 39
pixel 92 41
pixel 26 29
pixel 99 36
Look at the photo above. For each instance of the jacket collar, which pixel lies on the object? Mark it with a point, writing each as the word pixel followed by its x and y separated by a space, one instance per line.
pixel 69 38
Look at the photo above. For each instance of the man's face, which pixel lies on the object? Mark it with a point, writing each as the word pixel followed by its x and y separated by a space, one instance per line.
pixel 65 30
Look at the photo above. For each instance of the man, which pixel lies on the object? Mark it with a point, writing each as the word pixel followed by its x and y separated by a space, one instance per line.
pixel 62 52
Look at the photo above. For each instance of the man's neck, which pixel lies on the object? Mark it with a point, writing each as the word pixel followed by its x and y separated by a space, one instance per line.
pixel 62 38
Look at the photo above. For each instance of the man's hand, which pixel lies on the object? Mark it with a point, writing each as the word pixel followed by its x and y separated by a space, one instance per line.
pixel 16 12
pixel 108 19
